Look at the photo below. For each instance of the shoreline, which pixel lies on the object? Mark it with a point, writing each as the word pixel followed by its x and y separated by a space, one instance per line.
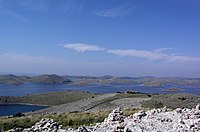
pixel 25 104
pixel 70 101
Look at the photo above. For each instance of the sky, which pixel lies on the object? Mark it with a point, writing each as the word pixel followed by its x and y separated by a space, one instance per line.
pixel 100 37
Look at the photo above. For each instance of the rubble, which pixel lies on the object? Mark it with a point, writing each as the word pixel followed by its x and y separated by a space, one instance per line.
pixel 155 120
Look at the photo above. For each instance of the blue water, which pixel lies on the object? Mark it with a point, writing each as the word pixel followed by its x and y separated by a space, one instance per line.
pixel 11 109
pixel 20 90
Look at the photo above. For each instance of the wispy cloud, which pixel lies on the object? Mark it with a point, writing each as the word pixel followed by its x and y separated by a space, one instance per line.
pixel 35 5
pixel 70 6
pixel 6 11
pixel 154 55
pixel 11 8
pixel 119 11
pixel 13 14
pixel 79 47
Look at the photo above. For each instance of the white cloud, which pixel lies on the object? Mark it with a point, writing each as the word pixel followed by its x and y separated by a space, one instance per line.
pixel 120 11
pixel 23 63
pixel 136 53
pixel 154 55
pixel 79 47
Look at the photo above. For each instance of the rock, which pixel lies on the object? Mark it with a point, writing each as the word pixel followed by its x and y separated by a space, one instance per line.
pixel 45 124
pixel 115 115
pixel 82 129
pixel 141 114
pixel 178 110
pixel 15 130
pixel 156 120
pixel 198 107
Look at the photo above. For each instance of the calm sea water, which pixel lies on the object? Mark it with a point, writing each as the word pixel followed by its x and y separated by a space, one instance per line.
pixel 10 109
pixel 20 90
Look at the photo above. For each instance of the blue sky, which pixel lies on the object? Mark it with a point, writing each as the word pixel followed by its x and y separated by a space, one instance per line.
pixel 98 37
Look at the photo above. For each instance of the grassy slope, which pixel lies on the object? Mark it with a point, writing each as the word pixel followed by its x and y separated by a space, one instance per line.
pixel 117 96
pixel 87 118
pixel 54 98
pixel 172 101
pixel 66 119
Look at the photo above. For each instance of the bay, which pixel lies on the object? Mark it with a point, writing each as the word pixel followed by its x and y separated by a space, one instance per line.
pixel 12 109
pixel 31 88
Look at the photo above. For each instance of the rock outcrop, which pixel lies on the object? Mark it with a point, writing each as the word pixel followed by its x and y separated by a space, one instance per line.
pixel 45 125
pixel 155 120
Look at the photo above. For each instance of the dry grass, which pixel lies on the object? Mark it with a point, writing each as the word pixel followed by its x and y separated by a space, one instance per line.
pixel 172 101
pixel 50 99
pixel 66 119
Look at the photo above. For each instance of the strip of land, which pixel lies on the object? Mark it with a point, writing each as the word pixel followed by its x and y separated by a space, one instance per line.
pixel 102 80
pixel 72 109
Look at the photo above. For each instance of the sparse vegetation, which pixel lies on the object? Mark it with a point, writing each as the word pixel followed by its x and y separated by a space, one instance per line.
pixel 50 99
pixel 117 96
pixel 172 101
pixel 66 119
pixel 172 90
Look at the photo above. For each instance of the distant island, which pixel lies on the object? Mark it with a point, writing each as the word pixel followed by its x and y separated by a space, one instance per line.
pixel 47 79
pixel 172 90
pixel 102 80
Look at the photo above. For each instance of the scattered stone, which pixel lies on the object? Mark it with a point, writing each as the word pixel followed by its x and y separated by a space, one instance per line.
pixel 155 120
pixel 15 130
pixel 198 107
pixel 47 125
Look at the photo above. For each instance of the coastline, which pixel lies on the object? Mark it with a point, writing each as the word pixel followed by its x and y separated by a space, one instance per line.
pixel 24 104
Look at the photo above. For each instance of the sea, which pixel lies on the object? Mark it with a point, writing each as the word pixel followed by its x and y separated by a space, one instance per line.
pixel 32 88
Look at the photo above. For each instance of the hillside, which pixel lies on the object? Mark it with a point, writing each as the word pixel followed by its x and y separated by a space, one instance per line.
pixel 102 80
pixel 47 79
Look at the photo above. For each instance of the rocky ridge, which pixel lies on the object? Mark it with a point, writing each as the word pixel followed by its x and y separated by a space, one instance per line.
pixel 155 120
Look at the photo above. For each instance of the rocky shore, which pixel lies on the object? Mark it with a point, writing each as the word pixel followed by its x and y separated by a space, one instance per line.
pixel 155 120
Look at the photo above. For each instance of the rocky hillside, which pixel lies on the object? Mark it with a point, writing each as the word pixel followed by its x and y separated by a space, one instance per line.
pixel 50 79
pixel 47 79
pixel 158 120
pixel 13 79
